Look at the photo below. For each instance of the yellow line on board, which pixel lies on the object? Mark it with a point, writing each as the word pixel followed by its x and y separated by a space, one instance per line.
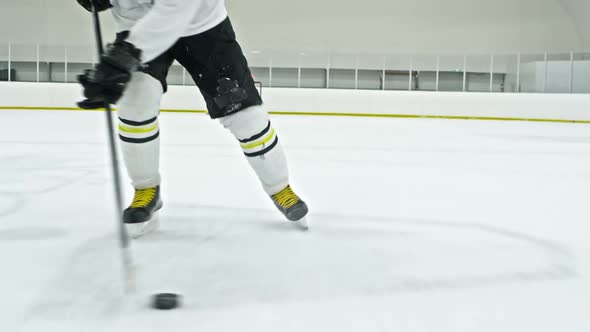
pixel 182 111
pixel 39 108
pixel 363 115
pixel 416 116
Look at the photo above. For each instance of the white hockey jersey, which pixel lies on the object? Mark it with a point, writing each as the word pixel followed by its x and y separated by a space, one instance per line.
pixel 155 25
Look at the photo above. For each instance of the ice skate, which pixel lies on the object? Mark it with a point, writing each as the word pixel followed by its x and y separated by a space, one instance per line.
pixel 292 206
pixel 141 216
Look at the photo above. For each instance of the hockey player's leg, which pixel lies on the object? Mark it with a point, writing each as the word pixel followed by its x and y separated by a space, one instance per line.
pixel 261 146
pixel 219 68
pixel 139 133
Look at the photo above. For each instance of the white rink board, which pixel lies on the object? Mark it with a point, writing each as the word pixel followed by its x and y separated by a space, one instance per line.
pixel 541 106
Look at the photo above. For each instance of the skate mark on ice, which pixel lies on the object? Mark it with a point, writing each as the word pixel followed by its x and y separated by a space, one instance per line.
pixel 11 203
pixel 540 259
pixel 417 222
pixel 223 257
pixel 31 234
pixel 34 173
pixel 88 285
pixel 23 190
pixel 536 138
pixel 558 261
pixel 518 151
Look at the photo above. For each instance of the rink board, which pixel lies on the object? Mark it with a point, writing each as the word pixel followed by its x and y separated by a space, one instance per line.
pixel 334 102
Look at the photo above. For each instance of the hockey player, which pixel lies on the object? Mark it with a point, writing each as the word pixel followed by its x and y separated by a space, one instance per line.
pixel 132 74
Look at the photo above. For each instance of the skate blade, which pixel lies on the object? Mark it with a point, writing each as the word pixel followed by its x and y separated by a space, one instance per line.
pixel 303 223
pixel 140 229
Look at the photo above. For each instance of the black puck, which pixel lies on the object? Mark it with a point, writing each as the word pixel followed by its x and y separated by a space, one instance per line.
pixel 165 301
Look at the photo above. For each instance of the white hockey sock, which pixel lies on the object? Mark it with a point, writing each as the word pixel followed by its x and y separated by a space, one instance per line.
pixel 139 130
pixel 261 146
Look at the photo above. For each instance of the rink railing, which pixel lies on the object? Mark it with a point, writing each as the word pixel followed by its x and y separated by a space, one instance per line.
pixel 567 72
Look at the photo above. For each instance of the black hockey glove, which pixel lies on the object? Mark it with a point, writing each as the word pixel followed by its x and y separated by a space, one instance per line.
pixel 101 5
pixel 107 81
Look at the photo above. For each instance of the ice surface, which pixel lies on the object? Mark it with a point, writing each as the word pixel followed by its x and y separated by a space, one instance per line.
pixel 418 225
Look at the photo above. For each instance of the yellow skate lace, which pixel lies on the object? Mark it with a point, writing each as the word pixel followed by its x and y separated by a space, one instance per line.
pixel 285 198
pixel 143 197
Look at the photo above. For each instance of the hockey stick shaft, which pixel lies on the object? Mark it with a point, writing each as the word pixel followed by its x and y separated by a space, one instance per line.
pixel 123 236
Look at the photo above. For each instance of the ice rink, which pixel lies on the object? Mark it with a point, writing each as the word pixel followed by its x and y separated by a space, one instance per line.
pixel 417 225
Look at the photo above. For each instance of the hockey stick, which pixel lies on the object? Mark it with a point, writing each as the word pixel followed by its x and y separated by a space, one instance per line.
pixel 123 236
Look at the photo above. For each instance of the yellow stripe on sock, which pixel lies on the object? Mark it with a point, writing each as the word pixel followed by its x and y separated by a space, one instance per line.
pixel 247 146
pixel 132 130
